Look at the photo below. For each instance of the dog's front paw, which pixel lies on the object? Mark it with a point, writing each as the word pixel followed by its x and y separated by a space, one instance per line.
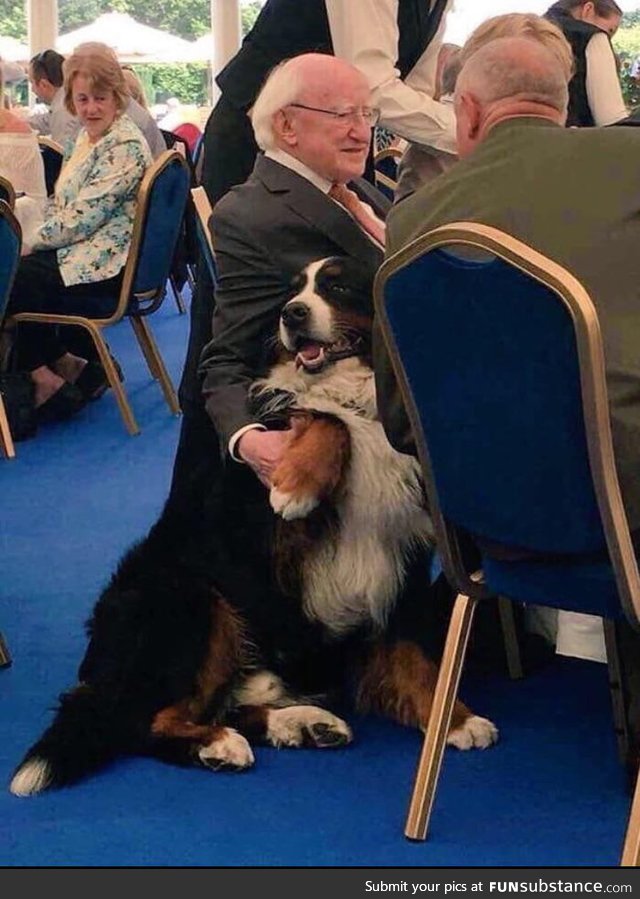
pixel 230 751
pixel 474 733
pixel 289 506
pixel 306 725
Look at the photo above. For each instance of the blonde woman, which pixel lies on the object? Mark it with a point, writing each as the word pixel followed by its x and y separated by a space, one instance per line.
pixel 75 262
pixel 135 86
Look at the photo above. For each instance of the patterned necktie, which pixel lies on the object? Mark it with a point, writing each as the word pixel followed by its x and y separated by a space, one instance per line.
pixel 368 222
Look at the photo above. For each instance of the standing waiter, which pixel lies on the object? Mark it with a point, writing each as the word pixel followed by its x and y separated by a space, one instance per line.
pixel 395 44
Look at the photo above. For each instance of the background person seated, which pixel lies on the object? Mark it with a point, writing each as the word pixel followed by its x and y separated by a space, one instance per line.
pixel 45 76
pixel 75 262
pixel 21 163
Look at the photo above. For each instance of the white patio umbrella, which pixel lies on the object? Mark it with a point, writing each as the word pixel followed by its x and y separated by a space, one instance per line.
pixel 12 50
pixel 131 40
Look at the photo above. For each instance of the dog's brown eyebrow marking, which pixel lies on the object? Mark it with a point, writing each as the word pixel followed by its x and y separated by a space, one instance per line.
pixel 332 269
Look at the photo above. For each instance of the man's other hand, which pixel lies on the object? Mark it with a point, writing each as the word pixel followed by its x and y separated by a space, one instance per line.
pixel 263 450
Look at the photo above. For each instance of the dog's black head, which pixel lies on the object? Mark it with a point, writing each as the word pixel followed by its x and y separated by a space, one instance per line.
pixel 329 318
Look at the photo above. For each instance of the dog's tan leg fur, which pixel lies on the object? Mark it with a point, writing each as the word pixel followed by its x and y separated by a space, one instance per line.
pixel 398 680
pixel 313 462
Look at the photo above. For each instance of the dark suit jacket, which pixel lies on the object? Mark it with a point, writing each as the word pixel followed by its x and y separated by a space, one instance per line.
pixel 574 195
pixel 264 232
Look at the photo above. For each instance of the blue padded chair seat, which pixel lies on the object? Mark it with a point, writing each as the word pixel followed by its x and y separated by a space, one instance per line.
pixel 581 587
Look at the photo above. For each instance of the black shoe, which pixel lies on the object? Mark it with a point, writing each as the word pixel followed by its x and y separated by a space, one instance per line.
pixel 92 381
pixel 64 403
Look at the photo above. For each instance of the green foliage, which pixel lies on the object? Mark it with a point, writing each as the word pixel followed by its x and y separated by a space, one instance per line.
pixel 13 19
pixel 187 82
pixel 188 19
pixel 626 43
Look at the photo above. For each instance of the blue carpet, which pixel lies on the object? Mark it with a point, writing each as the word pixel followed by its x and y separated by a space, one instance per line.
pixel 550 793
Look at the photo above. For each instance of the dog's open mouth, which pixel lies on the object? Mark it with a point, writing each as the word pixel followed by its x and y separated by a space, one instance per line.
pixel 312 355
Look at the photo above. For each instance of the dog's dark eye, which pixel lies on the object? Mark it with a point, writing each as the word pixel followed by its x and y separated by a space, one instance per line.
pixel 338 288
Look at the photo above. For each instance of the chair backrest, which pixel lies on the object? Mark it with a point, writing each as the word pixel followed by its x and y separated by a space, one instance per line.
pixel 162 198
pixel 385 163
pixel 204 209
pixel 10 243
pixel 7 192
pixel 52 158
pixel 500 361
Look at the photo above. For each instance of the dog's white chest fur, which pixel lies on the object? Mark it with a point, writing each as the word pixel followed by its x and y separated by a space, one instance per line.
pixel 355 576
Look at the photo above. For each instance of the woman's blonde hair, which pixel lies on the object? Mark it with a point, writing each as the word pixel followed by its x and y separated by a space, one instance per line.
pixel 521 24
pixel 99 64
pixel 134 86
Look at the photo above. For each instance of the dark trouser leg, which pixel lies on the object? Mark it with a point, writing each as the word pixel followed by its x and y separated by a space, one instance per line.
pixel 39 287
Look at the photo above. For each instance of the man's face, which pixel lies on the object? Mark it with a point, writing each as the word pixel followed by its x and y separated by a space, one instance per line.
pixel 333 146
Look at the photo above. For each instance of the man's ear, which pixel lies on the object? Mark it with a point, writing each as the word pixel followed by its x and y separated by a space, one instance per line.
pixel 471 109
pixel 284 129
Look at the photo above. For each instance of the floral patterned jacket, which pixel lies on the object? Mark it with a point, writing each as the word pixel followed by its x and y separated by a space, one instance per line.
pixel 90 220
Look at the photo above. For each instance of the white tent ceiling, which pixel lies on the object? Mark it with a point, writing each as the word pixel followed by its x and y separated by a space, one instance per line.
pixel 131 40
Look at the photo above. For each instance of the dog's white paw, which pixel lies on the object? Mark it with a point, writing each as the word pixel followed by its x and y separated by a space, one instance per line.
pixel 230 751
pixel 475 733
pixel 290 507
pixel 31 778
pixel 306 725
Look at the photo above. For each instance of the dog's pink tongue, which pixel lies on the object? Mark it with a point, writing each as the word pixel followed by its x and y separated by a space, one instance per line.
pixel 310 351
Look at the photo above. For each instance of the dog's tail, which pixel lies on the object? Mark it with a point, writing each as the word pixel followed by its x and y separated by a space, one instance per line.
pixel 85 735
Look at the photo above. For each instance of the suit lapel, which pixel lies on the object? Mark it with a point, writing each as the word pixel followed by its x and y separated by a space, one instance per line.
pixel 318 210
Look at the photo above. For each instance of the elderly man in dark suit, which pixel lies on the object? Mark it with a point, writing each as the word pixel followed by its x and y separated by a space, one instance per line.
pixel 313 120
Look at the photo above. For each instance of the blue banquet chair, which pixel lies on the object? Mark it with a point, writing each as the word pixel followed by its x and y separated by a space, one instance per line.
pixel 203 210
pixel 499 358
pixel 157 226
pixel 52 158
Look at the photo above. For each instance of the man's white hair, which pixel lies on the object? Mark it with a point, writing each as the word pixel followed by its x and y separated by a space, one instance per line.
pixel 518 68
pixel 282 87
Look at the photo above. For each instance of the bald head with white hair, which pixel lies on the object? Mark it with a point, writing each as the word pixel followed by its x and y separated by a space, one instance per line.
pixel 507 77
pixel 295 112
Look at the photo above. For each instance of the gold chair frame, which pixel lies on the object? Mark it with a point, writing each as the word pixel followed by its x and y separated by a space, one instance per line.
pixel 95 326
pixel 6 439
pixel 381 178
pixel 203 210
pixel 8 189
pixel 470 589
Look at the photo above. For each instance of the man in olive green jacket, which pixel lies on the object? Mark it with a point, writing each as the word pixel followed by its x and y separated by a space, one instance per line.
pixel 572 194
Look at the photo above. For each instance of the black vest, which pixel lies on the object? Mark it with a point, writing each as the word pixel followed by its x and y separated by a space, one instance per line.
pixel 286 28
pixel 578 34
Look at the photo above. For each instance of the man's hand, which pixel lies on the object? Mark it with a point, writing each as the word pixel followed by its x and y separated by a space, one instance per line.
pixel 263 450
pixel 25 250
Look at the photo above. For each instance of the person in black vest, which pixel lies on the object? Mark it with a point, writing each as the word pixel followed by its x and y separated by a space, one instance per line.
pixel 595 95
pixel 395 44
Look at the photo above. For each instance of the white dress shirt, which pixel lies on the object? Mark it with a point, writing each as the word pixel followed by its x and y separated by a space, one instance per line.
pixel 604 93
pixel 365 33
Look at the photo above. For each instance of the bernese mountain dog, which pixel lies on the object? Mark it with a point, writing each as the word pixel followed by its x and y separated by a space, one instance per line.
pixel 176 669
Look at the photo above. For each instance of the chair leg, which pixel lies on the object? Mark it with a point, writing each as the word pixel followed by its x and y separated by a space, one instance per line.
pixel 147 351
pixel 5 433
pixel 151 352
pixel 5 655
pixel 177 295
pixel 631 848
pixel 510 638
pixel 440 718
pixel 619 697
pixel 126 412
